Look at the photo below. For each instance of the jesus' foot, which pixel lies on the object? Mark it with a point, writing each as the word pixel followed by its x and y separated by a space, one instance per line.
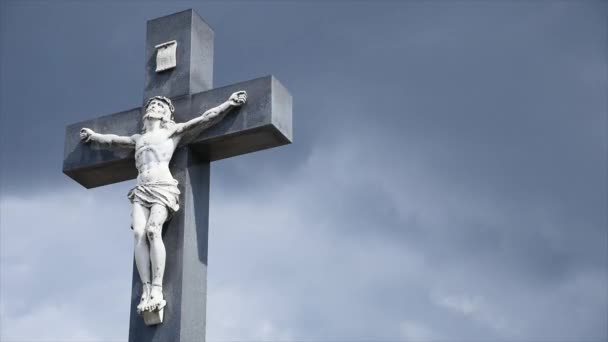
pixel 156 301
pixel 145 296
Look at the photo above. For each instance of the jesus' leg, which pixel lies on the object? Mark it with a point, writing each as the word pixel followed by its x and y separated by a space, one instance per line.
pixel 139 215
pixel 154 227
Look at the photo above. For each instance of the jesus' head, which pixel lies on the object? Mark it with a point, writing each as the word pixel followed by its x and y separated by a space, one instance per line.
pixel 159 108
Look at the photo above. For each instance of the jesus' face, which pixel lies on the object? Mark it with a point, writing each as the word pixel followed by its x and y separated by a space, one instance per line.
pixel 157 109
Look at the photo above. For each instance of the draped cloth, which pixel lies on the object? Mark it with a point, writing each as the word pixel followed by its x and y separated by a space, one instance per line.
pixel 162 192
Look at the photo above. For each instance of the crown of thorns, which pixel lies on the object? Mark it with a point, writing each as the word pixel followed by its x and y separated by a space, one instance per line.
pixel 163 99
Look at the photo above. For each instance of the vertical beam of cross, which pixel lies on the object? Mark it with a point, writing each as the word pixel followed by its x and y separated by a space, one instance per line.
pixel 186 234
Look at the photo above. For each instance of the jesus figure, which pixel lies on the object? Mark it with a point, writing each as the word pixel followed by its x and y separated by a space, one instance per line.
pixel 156 196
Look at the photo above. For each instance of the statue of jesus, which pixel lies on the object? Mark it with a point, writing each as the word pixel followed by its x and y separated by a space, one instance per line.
pixel 156 196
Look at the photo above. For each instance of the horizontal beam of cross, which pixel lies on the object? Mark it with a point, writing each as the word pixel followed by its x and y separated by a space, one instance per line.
pixel 263 122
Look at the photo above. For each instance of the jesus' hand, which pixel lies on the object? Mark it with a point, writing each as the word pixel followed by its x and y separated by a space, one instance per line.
pixel 239 98
pixel 85 134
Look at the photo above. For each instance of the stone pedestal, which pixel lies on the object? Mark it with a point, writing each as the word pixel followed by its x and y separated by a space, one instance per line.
pixel 154 317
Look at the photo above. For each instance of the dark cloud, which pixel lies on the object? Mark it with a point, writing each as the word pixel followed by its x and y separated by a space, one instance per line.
pixel 447 179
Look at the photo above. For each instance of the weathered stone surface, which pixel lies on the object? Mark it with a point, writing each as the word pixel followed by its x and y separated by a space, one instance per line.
pixel 263 122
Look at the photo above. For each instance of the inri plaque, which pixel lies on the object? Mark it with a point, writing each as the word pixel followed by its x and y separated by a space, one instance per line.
pixel 165 55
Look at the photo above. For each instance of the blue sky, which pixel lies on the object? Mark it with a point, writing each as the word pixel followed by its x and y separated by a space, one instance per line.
pixel 447 180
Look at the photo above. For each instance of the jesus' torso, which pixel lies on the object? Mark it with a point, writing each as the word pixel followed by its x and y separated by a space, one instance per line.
pixel 153 152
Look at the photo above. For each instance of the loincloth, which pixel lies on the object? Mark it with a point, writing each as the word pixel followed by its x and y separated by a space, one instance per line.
pixel 163 192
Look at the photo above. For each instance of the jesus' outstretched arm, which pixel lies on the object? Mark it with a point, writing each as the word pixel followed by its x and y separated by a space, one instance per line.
pixel 211 116
pixel 88 135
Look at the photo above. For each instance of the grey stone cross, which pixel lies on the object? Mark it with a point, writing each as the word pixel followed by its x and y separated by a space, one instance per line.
pixel 263 122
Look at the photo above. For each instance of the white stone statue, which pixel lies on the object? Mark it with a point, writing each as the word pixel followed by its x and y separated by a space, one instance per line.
pixel 156 196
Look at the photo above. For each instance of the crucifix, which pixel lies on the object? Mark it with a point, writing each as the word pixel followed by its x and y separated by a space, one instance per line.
pixel 167 145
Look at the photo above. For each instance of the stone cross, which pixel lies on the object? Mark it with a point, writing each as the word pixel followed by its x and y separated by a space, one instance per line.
pixel 179 65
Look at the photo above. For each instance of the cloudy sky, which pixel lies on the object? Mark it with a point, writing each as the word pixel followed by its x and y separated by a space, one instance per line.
pixel 447 180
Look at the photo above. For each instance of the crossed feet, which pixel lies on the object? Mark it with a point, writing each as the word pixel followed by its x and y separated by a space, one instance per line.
pixel 151 298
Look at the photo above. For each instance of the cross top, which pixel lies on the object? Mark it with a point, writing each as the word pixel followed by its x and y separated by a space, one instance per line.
pixel 170 161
